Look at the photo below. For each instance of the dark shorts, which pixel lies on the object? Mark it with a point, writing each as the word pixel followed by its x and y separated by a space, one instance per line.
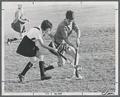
pixel 27 47
pixel 17 26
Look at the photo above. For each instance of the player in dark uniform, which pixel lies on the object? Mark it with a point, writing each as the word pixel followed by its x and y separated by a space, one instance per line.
pixel 61 41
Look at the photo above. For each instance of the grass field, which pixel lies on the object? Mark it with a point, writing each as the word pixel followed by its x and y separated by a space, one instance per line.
pixel 97 51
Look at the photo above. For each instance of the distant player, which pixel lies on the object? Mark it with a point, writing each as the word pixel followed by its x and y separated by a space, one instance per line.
pixel 61 37
pixel 19 23
pixel 31 45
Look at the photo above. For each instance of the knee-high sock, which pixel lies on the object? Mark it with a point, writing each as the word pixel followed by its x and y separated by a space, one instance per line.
pixel 41 65
pixel 28 66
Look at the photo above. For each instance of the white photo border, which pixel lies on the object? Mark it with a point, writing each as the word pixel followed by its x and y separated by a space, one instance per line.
pixel 65 93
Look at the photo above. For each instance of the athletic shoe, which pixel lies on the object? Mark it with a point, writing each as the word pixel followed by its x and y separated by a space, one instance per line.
pixel 74 77
pixel 45 77
pixel 8 41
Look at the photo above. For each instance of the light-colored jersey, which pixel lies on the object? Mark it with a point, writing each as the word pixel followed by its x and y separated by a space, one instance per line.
pixel 64 30
pixel 34 33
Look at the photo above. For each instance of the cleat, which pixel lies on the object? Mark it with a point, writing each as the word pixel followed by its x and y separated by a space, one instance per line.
pixel 79 77
pixel 45 77
pixel 8 41
pixel 75 78
pixel 21 78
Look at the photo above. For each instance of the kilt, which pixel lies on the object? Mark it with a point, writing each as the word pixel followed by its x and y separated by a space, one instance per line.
pixel 17 26
pixel 27 47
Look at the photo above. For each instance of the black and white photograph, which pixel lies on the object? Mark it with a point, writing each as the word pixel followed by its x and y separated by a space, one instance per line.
pixel 59 48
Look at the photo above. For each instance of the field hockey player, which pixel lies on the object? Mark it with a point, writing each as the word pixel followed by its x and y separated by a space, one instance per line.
pixel 18 24
pixel 61 41
pixel 31 45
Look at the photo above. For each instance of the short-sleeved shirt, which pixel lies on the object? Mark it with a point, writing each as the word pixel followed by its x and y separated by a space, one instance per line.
pixel 64 30
pixel 34 33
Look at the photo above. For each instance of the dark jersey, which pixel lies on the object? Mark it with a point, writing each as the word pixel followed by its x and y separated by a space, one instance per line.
pixel 64 30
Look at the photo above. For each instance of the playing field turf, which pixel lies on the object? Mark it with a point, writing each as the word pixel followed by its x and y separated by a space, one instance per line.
pixel 97 50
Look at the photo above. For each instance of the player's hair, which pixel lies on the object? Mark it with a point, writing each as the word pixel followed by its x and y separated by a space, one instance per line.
pixel 69 15
pixel 46 24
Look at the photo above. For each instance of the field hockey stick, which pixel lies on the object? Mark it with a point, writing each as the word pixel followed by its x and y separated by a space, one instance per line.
pixel 62 56
pixel 58 53
pixel 66 59
pixel 76 62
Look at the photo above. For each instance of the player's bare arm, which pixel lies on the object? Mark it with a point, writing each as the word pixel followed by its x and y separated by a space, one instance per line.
pixel 47 47
pixel 66 39
pixel 77 30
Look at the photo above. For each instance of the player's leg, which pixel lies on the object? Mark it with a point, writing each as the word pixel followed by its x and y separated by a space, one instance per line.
pixel 42 66
pixel 71 51
pixel 61 61
pixel 11 40
pixel 27 67
pixel 43 52
pixel 22 30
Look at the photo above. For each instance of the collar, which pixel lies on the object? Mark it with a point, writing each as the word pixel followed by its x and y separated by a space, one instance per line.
pixel 65 22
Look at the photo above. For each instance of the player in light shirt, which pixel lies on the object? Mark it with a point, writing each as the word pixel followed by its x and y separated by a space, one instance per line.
pixel 31 46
